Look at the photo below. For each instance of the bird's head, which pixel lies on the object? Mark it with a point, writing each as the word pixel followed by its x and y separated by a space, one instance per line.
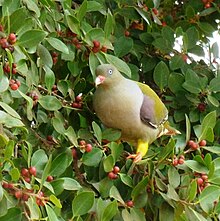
pixel 107 74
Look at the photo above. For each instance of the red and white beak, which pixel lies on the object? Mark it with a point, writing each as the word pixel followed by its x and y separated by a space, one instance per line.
pixel 99 80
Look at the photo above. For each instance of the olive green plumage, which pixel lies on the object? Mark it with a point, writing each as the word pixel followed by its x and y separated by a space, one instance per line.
pixel 130 106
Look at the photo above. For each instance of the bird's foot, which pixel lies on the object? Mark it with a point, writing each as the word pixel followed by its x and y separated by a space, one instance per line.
pixel 137 157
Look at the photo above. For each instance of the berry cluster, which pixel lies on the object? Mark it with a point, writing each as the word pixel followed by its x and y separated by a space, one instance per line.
pixel 8 42
pixel 22 193
pixel 178 160
pixel 7 68
pixel 202 181
pixel 78 102
pixel 195 146
pixel 114 173
pixel 86 146
pixel 96 47
pixel 207 3
pixel 14 84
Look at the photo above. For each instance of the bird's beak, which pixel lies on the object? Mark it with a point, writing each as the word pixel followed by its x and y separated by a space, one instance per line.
pixel 99 80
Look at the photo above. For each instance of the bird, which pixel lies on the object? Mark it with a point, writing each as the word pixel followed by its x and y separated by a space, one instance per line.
pixel 131 107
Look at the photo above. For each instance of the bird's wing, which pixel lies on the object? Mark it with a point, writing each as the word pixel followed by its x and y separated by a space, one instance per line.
pixel 153 111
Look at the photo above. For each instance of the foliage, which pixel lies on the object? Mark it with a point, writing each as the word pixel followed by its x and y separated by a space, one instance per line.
pixel 57 161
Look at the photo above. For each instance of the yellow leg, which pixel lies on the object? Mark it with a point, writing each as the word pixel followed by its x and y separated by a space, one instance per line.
pixel 142 149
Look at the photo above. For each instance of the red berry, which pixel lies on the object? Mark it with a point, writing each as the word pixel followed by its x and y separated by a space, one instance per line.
pixel 24 172
pixel 199 181
pixel 55 59
pixel 96 43
pixel 10 185
pixel 27 179
pixel 14 65
pixel 104 49
pixel 12 38
pixel 204 177
pixel 18 194
pixel 201 107
pixel 14 87
pixel 127 33
pixel 88 147
pixel 194 146
pixel 5 185
pixel 181 161
pixel 50 138
pixel 175 162
pixel 204 1
pixel 164 24
pixel 75 105
pixel 25 197
pixel 18 83
pixel 95 50
pixel 14 71
pixel 130 203
pixel 116 169
pixel 202 143
pixel 112 176
pixel 184 57
pixel 207 5
pixel 182 157
pixel 54 54
pixel 78 98
pixel 82 142
pixel 33 171
pixel 7 68
pixel 78 46
pixel 155 11
pixel 49 178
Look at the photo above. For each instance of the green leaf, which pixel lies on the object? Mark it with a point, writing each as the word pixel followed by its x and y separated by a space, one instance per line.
pixel 116 150
pixel 192 215
pixel 111 134
pixel 212 100
pixel 60 163
pixel 70 184
pixel 214 84
pixel 208 196
pixel 51 214
pixel 1 193
pixel 55 201
pixel 119 64
pixel 17 18
pixel 174 177
pixel 93 63
pixel 50 103
pixel 49 78
pixel 161 74
pixel 12 215
pixel 126 179
pixel 140 187
pixel 39 160
pixel 123 46
pixel 9 149
pixel 188 128
pixel 92 158
pixel 206 27
pixel 193 37
pixel 110 211
pixel 195 166
pixel 109 24
pixel 58 125
pixel 4 83
pixel 176 62
pixel 58 45
pixel 73 24
pixel 32 6
pixel 70 133
pixel 9 110
pixel 97 131
pixel 31 38
pixel 108 163
pixel 192 190
pixel 168 34
pixel 82 11
pixel 15 174
pixel 166 212
pixel 45 56
pixel 213 149
pixel 82 203
pixel 46 172
pixel 114 193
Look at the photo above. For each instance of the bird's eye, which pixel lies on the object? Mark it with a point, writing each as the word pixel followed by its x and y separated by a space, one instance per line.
pixel 110 71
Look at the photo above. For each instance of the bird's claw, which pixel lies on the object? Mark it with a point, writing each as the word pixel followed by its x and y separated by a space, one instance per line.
pixel 137 157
